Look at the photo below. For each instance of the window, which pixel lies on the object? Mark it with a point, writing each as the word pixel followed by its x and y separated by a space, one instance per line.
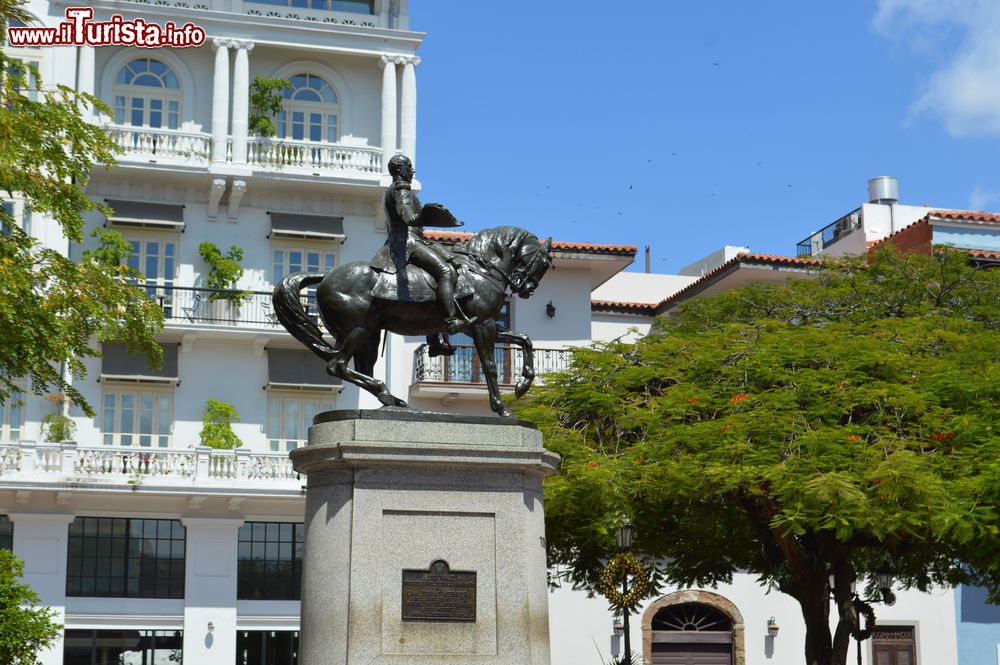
pixel 270 561
pixel 147 94
pixel 267 647
pixel 127 647
pixel 289 418
pixel 13 418
pixel 156 259
pixel 288 260
pixel 30 59
pixel 309 110
pixel 894 645
pixel 6 533
pixel 17 211
pixel 351 6
pixel 125 558
pixel 137 417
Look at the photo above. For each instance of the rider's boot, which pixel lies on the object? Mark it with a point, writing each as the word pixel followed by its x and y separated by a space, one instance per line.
pixel 437 346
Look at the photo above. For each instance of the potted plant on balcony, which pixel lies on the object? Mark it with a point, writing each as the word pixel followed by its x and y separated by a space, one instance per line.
pixel 225 270
pixel 265 103
pixel 57 427
pixel 217 429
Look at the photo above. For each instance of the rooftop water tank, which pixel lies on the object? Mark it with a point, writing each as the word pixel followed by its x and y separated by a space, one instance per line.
pixel 883 189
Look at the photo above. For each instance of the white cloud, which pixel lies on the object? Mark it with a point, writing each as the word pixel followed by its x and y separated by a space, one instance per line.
pixel 965 90
pixel 981 199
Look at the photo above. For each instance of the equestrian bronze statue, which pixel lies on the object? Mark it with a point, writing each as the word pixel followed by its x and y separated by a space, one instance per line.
pixel 415 286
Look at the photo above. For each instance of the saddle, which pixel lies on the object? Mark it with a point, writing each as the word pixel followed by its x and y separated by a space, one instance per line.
pixel 417 285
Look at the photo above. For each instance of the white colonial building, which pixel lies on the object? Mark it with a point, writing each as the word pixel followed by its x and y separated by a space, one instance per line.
pixel 151 547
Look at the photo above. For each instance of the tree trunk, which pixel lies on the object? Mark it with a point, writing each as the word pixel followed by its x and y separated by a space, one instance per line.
pixel 815 603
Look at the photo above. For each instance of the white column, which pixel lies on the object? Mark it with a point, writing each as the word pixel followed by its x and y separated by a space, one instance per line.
pixel 408 110
pixel 41 541
pixel 388 110
pixel 241 101
pixel 210 589
pixel 220 100
pixel 85 75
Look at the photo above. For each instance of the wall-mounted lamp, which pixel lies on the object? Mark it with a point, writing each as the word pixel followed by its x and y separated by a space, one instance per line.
pixel 772 627
pixel 883 580
pixel 211 626
pixel 550 310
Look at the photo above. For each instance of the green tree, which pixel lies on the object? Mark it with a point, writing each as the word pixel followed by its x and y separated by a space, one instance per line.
pixel 25 628
pixel 53 308
pixel 224 271
pixel 217 429
pixel 837 426
pixel 265 103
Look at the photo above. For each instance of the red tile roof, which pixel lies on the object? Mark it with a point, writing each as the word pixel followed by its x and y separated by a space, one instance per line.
pixel 638 308
pixel 452 237
pixel 964 215
pixel 984 254
pixel 743 258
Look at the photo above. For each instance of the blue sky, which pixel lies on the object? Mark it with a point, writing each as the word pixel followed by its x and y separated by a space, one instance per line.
pixel 690 125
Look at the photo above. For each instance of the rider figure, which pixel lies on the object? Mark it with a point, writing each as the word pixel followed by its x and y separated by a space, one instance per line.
pixel 407 244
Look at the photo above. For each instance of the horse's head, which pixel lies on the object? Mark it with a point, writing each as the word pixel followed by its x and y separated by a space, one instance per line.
pixel 531 260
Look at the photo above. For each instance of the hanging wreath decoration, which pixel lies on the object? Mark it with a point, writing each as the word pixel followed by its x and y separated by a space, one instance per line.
pixel 619 568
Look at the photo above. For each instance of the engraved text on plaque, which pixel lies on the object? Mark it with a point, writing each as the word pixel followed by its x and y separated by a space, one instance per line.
pixel 439 594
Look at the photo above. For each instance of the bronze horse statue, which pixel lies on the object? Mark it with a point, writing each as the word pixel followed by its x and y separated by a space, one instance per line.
pixel 492 264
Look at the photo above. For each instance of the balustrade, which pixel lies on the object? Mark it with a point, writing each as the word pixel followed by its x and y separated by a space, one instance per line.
pixel 162 143
pixel 464 366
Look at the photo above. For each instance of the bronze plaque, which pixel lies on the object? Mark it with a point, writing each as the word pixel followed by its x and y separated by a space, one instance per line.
pixel 439 594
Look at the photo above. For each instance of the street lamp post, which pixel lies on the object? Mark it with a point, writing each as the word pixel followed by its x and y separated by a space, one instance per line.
pixel 623 538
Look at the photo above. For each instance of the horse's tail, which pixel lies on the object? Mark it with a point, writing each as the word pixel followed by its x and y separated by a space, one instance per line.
pixel 288 308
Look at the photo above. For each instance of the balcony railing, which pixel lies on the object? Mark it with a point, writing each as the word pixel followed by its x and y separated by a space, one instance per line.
pixel 279 154
pixel 185 304
pixel 829 234
pixel 166 145
pixel 69 462
pixel 464 367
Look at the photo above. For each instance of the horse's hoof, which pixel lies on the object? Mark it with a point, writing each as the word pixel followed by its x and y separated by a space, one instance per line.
pixel 521 389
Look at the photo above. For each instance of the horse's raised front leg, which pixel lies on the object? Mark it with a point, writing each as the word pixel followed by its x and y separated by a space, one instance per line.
pixel 528 364
pixel 484 334
pixel 339 366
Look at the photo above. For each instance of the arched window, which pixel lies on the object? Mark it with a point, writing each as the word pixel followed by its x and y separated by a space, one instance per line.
pixel 147 94
pixel 311 108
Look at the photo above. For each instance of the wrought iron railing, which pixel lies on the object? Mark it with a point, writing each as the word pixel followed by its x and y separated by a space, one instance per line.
pixel 185 304
pixel 465 367
pixel 829 234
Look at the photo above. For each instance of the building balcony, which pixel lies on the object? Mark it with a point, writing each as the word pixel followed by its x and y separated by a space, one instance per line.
pixel 144 146
pixel 188 306
pixel 312 158
pixel 829 234
pixel 460 375
pixel 28 464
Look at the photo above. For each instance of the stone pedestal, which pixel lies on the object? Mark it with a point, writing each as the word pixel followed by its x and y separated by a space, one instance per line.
pixel 452 504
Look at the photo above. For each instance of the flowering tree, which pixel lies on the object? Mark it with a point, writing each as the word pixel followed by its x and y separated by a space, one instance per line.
pixel 828 428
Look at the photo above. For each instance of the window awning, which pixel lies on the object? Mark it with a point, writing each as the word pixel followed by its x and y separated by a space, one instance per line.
pixel 146 214
pixel 119 365
pixel 312 227
pixel 298 370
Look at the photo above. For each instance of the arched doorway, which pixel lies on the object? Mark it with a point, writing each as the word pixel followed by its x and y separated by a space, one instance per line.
pixel 693 628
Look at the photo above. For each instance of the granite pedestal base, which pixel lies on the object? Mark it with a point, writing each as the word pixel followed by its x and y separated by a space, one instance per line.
pixel 391 491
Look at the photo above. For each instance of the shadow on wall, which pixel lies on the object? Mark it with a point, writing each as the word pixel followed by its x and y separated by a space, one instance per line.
pixel 974 607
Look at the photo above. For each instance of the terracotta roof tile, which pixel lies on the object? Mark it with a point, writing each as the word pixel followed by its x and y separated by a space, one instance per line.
pixel 764 259
pixel 622 307
pixel 965 215
pixel 984 254
pixel 452 237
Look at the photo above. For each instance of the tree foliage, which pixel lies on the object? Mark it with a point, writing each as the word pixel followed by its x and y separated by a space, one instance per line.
pixel 265 103
pixel 25 628
pixel 217 430
pixel 52 308
pixel 224 271
pixel 835 425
